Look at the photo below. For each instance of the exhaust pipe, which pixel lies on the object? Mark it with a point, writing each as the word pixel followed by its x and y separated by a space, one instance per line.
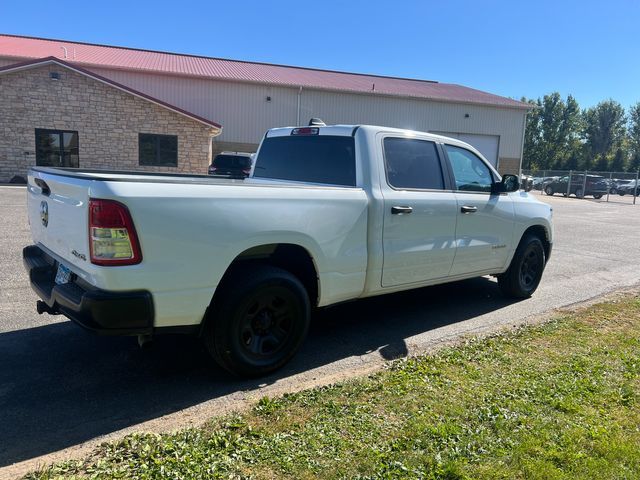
pixel 42 307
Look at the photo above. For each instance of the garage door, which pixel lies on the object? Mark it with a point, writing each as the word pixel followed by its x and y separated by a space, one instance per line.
pixel 487 145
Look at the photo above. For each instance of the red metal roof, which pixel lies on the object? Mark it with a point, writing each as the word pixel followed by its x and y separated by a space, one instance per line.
pixel 171 63
pixel 49 60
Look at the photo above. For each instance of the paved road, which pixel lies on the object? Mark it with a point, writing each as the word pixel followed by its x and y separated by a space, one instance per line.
pixel 61 386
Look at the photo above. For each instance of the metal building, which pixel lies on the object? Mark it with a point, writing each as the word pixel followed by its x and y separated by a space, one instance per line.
pixel 249 98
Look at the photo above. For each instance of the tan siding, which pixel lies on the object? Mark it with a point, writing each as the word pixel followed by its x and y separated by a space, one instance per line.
pixel 245 114
pixel 8 61
pixel 419 115
pixel 241 109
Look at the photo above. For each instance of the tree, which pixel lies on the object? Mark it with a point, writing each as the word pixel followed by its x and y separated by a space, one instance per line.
pixel 532 157
pixel 634 137
pixel 619 161
pixel 552 135
pixel 604 133
pixel 572 126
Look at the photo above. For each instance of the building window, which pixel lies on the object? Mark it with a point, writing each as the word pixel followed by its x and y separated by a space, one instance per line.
pixel 57 148
pixel 158 150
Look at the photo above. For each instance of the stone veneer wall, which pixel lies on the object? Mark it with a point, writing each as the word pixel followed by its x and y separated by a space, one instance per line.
pixel 509 165
pixel 107 120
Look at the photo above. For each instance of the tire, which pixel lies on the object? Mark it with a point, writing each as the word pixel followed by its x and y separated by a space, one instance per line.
pixel 579 193
pixel 621 193
pixel 525 272
pixel 613 191
pixel 259 319
pixel 597 196
pixel 549 190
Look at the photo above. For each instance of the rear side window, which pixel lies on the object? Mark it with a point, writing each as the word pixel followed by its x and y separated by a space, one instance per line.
pixel 412 163
pixel 314 158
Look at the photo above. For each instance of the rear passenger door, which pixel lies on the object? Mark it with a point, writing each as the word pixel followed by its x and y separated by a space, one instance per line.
pixel 485 223
pixel 419 213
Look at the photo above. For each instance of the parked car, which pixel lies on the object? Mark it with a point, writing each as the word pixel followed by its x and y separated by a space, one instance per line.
pixel 330 214
pixel 540 182
pixel 232 164
pixel 526 182
pixel 595 186
pixel 630 188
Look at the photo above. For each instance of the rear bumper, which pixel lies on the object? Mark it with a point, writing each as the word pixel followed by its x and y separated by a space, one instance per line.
pixel 101 311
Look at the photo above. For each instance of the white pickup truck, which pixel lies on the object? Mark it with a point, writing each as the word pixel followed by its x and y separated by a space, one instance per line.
pixel 329 214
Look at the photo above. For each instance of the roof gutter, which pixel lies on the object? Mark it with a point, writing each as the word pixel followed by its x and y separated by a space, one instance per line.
pixel 298 114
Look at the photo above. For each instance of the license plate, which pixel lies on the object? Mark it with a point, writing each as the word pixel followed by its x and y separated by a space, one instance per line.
pixel 63 275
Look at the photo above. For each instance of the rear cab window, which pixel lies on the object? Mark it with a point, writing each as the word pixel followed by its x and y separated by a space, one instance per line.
pixel 322 159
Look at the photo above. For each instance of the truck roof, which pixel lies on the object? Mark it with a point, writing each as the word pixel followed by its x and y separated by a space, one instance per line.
pixel 349 130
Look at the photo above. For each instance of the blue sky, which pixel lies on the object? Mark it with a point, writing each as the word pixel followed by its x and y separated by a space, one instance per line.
pixel 588 48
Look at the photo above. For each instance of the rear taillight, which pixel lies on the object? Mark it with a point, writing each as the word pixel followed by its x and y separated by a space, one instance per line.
pixel 112 235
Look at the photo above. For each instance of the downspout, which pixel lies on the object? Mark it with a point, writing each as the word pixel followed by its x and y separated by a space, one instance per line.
pixel 524 127
pixel 298 114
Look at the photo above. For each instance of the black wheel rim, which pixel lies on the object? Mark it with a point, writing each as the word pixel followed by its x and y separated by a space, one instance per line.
pixel 530 268
pixel 267 324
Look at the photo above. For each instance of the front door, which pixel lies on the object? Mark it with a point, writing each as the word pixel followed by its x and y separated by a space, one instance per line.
pixel 419 214
pixel 485 224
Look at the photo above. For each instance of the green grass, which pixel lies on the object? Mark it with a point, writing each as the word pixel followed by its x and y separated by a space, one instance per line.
pixel 548 402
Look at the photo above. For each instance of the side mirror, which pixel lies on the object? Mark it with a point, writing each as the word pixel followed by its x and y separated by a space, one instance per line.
pixel 509 183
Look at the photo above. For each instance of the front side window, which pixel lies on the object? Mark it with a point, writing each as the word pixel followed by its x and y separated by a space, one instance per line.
pixel 57 148
pixel 326 159
pixel 412 164
pixel 157 150
pixel 471 173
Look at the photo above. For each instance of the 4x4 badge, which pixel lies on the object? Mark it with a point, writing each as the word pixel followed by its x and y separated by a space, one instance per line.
pixel 44 213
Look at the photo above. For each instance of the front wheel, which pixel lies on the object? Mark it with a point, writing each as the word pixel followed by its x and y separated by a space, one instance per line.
pixel 579 193
pixel 549 190
pixel 597 196
pixel 525 272
pixel 259 319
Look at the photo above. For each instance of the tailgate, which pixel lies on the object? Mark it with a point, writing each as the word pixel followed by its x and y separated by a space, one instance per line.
pixel 58 215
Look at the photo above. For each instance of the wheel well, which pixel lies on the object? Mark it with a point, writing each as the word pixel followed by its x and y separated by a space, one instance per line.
pixel 293 258
pixel 540 232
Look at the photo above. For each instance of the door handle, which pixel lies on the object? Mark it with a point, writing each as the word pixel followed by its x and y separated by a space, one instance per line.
pixel 401 210
pixel 468 209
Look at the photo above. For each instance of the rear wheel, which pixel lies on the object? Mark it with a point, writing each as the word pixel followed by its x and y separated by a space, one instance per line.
pixel 549 190
pixel 525 272
pixel 597 196
pixel 259 319
pixel 579 192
